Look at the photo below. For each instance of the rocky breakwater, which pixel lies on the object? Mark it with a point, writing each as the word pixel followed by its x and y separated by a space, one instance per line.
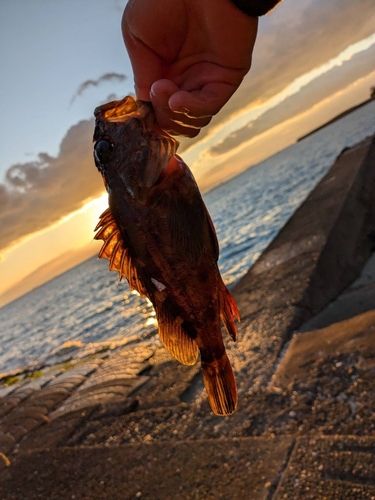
pixel 136 424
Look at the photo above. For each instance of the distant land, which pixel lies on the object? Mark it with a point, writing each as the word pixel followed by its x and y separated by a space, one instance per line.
pixel 341 115
pixel 48 271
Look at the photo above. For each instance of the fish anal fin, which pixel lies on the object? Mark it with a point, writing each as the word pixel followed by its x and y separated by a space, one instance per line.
pixel 220 385
pixel 176 340
pixel 228 311
pixel 114 250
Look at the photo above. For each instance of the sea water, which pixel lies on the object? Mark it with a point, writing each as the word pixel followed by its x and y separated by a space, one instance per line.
pixel 89 305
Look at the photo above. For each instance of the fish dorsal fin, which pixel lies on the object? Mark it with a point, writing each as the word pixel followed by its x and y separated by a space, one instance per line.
pixel 115 251
pixel 175 339
pixel 228 310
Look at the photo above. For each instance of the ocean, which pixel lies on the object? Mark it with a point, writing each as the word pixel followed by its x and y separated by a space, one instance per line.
pixel 88 304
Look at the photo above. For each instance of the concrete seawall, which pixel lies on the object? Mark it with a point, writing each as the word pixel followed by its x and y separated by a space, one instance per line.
pixel 324 245
pixel 136 424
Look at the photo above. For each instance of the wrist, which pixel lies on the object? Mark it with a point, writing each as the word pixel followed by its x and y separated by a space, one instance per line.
pixel 255 8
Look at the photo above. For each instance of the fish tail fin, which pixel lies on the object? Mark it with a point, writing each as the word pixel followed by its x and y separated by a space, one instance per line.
pixel 228 311
pixel 220 385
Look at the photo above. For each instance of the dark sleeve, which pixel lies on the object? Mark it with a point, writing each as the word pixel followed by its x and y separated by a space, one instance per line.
pixel 255 8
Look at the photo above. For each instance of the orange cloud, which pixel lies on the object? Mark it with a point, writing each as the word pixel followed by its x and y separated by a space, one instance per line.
pixel 295 38
pixel 37 194
pixel 325 85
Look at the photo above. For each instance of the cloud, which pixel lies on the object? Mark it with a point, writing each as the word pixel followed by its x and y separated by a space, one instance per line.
pixel 95 83
pixel 298 36
pixel 317 90
pixel 37 194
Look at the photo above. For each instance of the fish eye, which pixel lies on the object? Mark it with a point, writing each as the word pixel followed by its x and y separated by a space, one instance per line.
pixel 103 151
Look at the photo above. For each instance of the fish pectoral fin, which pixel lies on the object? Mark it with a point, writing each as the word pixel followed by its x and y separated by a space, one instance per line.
pixel 115 251
pixel 228 311
pixel 175 339
pixel 220 385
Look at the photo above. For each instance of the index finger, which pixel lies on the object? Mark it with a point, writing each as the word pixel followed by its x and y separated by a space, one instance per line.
pixel 146 64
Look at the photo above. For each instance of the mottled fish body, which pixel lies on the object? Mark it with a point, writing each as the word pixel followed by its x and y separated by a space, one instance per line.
pixel 158 234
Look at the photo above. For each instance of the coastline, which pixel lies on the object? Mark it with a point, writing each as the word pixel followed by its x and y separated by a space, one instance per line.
pixel 136 424
pixel 337 117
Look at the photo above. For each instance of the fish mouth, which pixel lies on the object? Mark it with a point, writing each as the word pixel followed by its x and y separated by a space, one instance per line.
pixel 121 111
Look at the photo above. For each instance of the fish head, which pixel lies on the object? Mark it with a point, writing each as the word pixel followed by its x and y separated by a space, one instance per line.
pixel 130 151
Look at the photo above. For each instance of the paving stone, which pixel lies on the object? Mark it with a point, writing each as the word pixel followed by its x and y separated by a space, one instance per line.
pixel 55 432
pixel 20 394
pixel 124 384
pixel 31 413
pixel 69 383
pixel 82 370
pixel 37 383
pixel 12 401
pixel 100 396
pixel 49 397
pixel 210 470
pixel 16 431
pixel 330 468
pixel 6 390
pixel 6 405
pixel 17 423
pixel 47 393
pixel 7 442
pixel 112 371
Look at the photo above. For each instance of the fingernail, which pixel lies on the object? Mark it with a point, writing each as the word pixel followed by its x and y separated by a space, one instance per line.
pixel 160 95
pixel 152 91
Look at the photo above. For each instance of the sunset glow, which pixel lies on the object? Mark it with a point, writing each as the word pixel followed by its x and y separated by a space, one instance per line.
pixel 51 193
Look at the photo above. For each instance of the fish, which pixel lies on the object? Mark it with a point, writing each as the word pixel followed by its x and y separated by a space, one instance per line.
pixel 158 234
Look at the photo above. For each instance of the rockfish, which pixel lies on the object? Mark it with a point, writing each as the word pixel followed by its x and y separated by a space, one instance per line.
pixel 158 234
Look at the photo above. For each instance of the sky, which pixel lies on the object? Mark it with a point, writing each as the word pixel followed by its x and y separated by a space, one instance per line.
pixel 312 60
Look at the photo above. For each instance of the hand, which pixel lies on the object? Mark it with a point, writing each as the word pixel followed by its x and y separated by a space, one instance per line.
pixel 188 57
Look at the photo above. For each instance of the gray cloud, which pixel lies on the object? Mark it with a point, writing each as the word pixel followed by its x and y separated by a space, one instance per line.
pixel 320 88
pixel 37 194
pixel 296 37
pixel 95 83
